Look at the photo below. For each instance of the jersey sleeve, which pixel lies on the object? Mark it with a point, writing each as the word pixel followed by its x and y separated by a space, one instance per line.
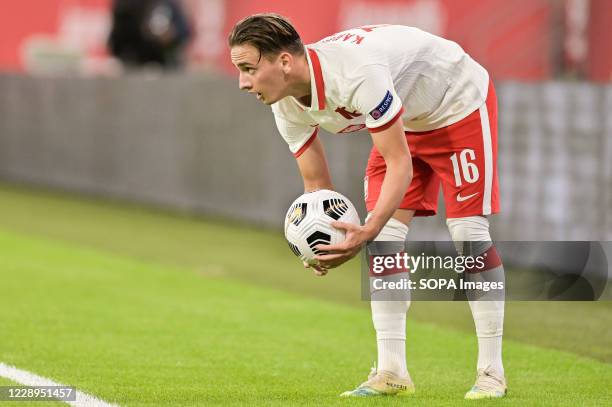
pixel 375 96
pixel 298 135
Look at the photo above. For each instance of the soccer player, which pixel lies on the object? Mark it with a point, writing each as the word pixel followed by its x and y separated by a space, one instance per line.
pixel 431 112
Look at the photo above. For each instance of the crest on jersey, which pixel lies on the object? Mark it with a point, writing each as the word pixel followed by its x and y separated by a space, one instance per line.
pixel 297 213
pixel 382 107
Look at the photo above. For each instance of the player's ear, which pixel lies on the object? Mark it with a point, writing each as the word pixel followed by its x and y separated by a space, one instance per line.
pixel 286 61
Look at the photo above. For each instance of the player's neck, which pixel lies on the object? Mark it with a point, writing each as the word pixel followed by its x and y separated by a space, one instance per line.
pixel 301 88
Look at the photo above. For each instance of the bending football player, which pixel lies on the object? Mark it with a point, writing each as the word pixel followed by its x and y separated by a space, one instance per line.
pixel 431 111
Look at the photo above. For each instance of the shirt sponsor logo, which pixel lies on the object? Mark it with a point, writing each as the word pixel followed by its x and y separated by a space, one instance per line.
pixel 382 108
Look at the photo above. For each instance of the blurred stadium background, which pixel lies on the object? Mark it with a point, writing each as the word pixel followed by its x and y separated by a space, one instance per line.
pixel 88 145
pixel 70 119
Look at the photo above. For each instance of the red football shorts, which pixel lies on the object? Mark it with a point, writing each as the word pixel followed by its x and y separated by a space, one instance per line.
pixel 462 157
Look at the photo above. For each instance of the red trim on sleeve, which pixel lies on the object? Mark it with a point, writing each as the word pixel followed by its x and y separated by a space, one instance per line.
pixel 316 68
pixel 307 144
pixel 388 124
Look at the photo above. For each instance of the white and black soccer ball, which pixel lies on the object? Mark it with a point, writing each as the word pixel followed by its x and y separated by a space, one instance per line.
pixel 309 218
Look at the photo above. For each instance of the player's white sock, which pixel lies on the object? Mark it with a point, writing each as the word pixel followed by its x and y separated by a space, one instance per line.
pixel 389 317
pixel 488 313
pixel 490 354
pixel 489 320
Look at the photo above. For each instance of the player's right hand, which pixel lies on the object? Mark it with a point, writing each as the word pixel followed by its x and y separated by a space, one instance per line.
pixel 318 270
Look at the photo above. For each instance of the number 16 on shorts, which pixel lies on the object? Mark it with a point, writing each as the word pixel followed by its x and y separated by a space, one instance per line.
pixel 464 168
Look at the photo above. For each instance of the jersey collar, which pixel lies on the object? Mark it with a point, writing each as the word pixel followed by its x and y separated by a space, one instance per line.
pixel 317 92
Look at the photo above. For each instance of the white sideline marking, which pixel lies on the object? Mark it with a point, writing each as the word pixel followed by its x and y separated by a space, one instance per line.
pixel 30 379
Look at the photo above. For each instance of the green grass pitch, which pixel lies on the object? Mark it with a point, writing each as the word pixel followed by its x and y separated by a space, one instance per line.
pixel 140 307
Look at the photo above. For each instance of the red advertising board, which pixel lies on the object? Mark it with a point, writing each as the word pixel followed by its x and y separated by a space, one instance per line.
pixel 511 41
pixel 80 24
pixel 520 40
pixel 599 65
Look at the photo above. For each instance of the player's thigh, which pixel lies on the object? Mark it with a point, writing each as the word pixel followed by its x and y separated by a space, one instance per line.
pixel 465 159
pixel 420 198
pixel 404 215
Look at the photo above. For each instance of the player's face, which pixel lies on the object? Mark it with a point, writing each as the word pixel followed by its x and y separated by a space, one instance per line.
pixel 260 75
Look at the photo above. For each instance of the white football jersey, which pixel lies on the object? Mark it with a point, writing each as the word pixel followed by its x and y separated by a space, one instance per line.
pixel 373 75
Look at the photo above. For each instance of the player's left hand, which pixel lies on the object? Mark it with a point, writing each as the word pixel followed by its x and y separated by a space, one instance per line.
pixel 318 270
pixel 338 254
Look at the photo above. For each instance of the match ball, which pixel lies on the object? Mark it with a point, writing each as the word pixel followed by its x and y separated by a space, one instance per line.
pixel 309 218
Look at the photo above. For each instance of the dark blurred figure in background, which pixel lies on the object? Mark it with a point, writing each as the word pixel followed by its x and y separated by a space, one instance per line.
pixel 146 32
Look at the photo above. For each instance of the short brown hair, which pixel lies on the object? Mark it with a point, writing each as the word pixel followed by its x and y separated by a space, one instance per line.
pixel 270 33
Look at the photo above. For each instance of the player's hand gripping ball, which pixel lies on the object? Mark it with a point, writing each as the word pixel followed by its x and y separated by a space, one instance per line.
pixel 308 223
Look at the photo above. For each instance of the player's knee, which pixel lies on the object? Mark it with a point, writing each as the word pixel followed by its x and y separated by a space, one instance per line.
pixel 390 239
pixel 393 231
pixel 470 229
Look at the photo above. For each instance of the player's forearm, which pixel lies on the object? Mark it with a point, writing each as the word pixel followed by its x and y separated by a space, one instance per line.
pixel 396 182
pixel 313 168
pixel 317 184
pixel 315 174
